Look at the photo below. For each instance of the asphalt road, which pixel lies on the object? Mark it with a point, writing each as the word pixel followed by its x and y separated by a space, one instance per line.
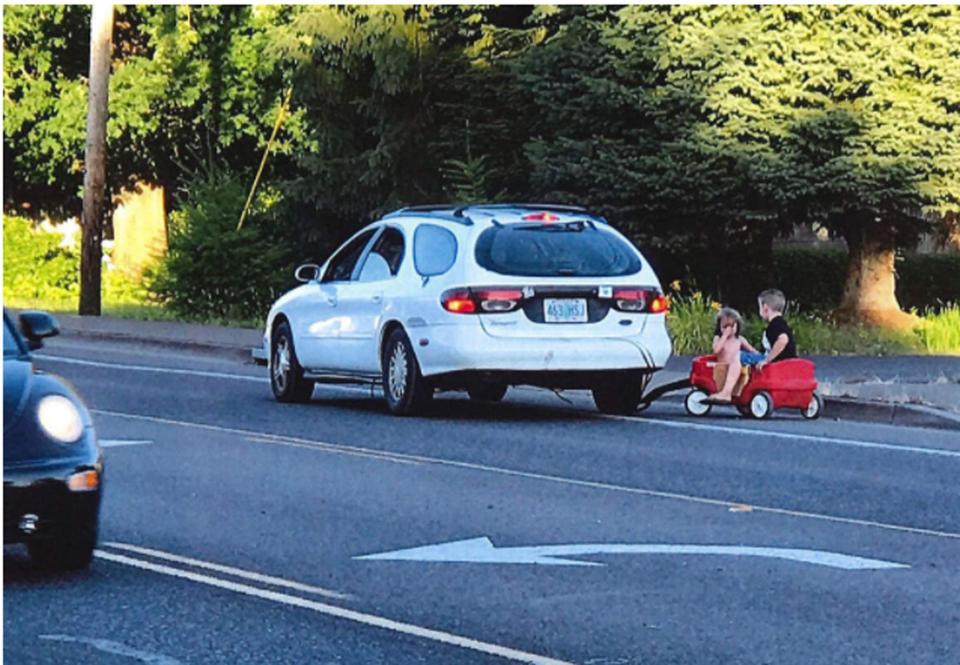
pixel 232 528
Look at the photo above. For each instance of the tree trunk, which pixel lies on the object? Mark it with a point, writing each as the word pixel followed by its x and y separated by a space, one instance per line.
pixel 94 178
pixel 869 294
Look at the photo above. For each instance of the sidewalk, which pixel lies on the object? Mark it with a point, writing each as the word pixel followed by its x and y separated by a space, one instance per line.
pixel 909 390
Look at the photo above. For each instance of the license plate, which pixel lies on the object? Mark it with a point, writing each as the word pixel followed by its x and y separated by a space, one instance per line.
pixel 565 310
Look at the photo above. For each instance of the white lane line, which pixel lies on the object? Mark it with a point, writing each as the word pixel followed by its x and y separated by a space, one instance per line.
pixel 116 648
pixel 116 443
pixel 369 455
pixel 784 436
pixel 148 368
pixel 788 436
pixel 339 612
pixel 229 570
pixel 275 439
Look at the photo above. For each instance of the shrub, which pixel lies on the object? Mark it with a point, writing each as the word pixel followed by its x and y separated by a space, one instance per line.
pixel 813 278
pixel 928 281
pixel 34 265
pixel 214 271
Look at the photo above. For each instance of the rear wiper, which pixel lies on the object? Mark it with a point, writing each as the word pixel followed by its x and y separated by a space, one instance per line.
pixel 567 272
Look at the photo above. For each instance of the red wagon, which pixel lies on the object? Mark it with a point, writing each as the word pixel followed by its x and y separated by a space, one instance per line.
pixel 787 384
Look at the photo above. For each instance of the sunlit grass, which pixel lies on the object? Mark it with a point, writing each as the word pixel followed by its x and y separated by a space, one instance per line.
pixel 940 331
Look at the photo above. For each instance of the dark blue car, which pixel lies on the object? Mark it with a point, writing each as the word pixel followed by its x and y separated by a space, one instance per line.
pixel 52 463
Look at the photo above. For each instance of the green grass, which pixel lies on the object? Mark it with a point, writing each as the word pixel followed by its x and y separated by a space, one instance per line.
pixel 940 332
pixel 124 309
pixel 690 322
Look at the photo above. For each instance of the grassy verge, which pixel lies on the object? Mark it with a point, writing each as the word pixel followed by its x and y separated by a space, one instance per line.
pixel 690 321
pixel 124 309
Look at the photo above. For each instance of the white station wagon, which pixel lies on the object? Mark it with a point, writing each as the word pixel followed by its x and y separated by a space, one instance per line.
pixel 474 298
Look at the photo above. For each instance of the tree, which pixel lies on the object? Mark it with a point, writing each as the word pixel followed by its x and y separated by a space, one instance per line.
pixel 874 146
pixel 714 122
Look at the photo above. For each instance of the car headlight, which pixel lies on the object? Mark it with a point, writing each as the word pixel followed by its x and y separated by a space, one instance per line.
pixel 60 418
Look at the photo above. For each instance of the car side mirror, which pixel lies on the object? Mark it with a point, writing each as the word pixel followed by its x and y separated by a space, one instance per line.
pixel 308 272
pixel 36 326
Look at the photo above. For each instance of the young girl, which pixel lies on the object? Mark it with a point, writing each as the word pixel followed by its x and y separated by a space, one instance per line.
pixel 728 345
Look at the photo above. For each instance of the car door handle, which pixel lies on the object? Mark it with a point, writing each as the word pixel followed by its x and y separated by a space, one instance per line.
pixel 331 300
pixel 377 297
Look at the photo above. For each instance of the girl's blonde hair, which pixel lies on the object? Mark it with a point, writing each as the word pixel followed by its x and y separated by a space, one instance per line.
pixel 728 313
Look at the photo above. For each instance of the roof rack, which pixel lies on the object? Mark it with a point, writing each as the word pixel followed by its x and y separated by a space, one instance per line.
pixel 447 212
pixel 528 206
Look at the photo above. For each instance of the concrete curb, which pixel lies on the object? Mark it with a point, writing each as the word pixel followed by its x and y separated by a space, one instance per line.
pixel 889 413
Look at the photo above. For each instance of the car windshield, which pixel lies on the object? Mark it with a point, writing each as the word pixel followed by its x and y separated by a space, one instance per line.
pixel 576 249
pixel 10 345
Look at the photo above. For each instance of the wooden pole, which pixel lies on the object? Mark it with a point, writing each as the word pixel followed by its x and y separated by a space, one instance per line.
pixel 94 177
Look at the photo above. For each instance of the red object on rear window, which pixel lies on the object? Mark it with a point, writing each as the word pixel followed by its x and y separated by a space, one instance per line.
pixel 540 217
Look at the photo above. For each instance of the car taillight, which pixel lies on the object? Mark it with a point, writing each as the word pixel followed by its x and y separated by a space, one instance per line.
pixel 481 300
pixel 659 305
pixel 458 301
pixel 499 300
pixel 650 301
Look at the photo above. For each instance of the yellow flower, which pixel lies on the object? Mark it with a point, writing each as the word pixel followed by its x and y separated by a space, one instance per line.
pixel 675 285
pixel 715 306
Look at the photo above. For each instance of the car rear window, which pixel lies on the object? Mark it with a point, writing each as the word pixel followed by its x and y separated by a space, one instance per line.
pixel 575 249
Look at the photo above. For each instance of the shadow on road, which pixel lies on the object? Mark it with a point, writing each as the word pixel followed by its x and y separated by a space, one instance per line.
pixel 19 570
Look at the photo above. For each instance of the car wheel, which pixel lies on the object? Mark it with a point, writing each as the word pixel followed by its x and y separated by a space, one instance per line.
pixel 487 392
pixel 286 374
pixel 761 405
pixel 694 403
pixel 616 400
pixel 70 550
pixel 404 387
pixel 812 412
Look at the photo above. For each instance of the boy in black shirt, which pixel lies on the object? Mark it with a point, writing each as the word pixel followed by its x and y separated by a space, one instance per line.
pixel 778 342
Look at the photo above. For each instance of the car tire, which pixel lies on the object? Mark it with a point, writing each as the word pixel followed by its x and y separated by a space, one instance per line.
pixel 286 374
pixel 761 405
pixel 487 392
pixel 70 550
pixel 616 400
pixel 814 408
pixel 406 390
pixel 694 405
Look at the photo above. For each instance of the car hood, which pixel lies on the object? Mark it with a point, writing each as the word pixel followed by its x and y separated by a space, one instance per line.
pixel 17 377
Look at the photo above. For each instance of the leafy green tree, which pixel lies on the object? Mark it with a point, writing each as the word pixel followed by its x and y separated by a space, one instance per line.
pixel 717 122
pixel 873 146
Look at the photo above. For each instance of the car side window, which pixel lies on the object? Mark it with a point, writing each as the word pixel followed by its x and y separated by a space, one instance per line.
pixel 434 250
pixel 385 257
pixel 345 260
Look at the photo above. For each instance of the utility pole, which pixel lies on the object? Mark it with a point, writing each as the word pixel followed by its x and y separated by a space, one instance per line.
pixel 94 177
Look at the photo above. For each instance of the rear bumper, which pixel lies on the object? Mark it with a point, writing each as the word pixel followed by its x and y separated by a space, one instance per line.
pixel 41 495
pixel 453 349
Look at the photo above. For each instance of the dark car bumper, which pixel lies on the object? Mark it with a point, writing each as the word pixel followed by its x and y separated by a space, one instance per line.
pixel 38 503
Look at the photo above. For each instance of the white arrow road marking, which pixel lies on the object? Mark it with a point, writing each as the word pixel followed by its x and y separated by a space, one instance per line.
pixel 115 443
pixel 117 648
pixel 481 550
